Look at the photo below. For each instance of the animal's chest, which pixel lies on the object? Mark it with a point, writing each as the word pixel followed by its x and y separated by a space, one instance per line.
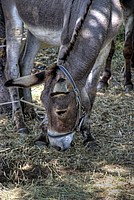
pixel 50 37
pixel 43 18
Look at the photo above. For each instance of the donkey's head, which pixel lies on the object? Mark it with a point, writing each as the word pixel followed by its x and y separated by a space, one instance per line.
pixel 61 100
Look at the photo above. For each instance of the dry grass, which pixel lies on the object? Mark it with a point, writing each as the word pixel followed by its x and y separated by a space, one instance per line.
pixel 31 173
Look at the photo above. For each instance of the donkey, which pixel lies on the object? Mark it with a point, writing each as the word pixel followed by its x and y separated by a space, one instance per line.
pixel 128 50
pixel 84 31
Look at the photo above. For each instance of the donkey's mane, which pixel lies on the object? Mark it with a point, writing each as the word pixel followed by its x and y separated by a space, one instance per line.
pixel 79 22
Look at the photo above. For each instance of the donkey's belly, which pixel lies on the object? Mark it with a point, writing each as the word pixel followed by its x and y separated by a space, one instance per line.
pixel 48 36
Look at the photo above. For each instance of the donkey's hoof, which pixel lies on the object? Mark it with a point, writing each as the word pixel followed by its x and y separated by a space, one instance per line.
pixel 102 86
pixel 41 141
pixel 93 146
pixel 40 144
pixel 29 112
pixel 128 88
pixel 23 131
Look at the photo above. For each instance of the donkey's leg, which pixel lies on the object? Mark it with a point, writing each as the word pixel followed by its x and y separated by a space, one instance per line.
pixel 14 31
pixel 91 89
pixel 132 59
pixel 128 49
pixel 127 70
pixel 26 60
pixel 103 83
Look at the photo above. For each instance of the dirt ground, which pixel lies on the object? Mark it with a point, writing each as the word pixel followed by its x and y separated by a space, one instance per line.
pixel 28 172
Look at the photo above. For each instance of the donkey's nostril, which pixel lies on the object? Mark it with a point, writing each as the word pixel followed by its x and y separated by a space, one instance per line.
pixel 57 148
pixel 72 144
pixel 60 148
pixel 61 112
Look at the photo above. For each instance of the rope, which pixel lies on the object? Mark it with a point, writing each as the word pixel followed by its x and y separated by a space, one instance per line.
pixel 6 103
pixel 24 101
pixel 2 46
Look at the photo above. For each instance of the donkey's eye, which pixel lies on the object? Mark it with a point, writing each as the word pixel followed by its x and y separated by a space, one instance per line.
pixel 54 94
pixel 61 112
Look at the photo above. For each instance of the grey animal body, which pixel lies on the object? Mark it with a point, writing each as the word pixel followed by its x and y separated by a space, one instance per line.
pixel 128 49
pixel 84 31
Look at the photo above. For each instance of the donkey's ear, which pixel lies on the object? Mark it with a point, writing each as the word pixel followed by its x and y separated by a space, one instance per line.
pixel 27 81
pixel 30 80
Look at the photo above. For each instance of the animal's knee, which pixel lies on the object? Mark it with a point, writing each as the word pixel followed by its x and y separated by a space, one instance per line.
pixel 127 51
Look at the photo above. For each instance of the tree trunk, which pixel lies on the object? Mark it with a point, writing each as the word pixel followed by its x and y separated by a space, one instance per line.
pixel 4 93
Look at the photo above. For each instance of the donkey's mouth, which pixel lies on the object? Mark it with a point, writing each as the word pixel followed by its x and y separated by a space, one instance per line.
pixel 60 141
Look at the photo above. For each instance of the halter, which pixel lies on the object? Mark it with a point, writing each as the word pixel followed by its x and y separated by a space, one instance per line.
pixel 77 27
pixel 80 119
